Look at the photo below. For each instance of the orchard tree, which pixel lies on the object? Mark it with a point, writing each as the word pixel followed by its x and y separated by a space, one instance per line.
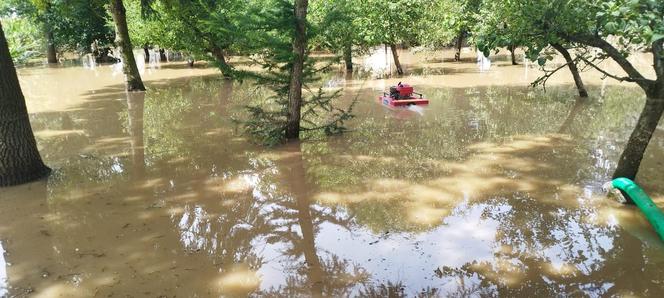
pixel 615 29
pixel 618 28
pixel 20 161
pixel 203 29
pixel 391 23
pixel 132 76
pixel 507 23
pixel 448 21
pixel 334 21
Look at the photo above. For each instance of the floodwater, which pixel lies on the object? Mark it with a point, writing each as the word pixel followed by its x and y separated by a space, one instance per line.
pixel 495 188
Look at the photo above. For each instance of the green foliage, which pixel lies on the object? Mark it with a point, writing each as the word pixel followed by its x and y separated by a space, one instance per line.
pixel 75 24
pixel 24 39
pixel 447 19
pixel 271 46
pixel 334 26
pixel 391 22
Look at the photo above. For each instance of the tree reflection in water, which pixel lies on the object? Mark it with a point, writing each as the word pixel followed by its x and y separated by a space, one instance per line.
pixel 273 231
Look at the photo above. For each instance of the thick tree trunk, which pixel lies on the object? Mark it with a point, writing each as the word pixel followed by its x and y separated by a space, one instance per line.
pixel 573 69
pixel 631 157
pixel 459 44
pixel 512 48
pixel 146 53
pixel 20 161
pixel 295 90
pixel 162 55
pixel 51 55
pixel 395 55
pixel 122 41
pixel 348 57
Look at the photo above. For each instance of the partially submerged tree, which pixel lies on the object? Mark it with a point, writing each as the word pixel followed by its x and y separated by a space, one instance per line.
pixel 132 76
pixel 507 23
pixel 450 21
pixel 390 23
pixel 617 28
pixel 20 161
pixel 290 106
pixel 296 80
pixel 336 28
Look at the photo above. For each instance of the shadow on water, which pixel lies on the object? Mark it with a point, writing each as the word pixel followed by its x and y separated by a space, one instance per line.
pixel 491 191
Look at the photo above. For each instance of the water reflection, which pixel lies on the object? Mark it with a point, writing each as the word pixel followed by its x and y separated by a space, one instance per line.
pixel 489 191
pixel 3 272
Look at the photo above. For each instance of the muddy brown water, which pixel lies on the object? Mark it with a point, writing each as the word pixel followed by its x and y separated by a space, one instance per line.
pixel 493 189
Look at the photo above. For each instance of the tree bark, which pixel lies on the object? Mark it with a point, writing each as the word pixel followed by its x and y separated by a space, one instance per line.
pixel 296 81
pixel 51 55
pixel 219 56
pixel 132 76
pixel 348 57
pixel 512 48
pixel 162 55
pixel 395 55
pixel 573 69
pixel 459 44
pixel 631 157
pixel 20 161
pixel 146 53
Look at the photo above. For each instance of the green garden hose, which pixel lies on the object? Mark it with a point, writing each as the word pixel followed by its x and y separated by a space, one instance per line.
pixel 643 201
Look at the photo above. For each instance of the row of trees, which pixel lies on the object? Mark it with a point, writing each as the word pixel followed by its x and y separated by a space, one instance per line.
pixel 279 34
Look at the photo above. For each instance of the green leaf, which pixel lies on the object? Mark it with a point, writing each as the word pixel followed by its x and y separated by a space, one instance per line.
pixel 656 37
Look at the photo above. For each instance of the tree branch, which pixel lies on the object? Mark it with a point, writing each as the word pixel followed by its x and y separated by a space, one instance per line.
pixel 611 51
pixel 547 74
pixel 605 73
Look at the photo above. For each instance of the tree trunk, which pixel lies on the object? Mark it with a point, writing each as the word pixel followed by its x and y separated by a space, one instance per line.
pixel 573 69
pixel 459 44
pixel 20 161
pixel 162 55
pixel 51 55
pixel 395 55
pixel 296 80
pixel 146 53
pixel 631 157
pixel 512 48
pixel 348 57
pixel 218 55
pixel 132 76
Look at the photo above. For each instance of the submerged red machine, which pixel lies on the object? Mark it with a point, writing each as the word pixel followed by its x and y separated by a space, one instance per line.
pixel 402 95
